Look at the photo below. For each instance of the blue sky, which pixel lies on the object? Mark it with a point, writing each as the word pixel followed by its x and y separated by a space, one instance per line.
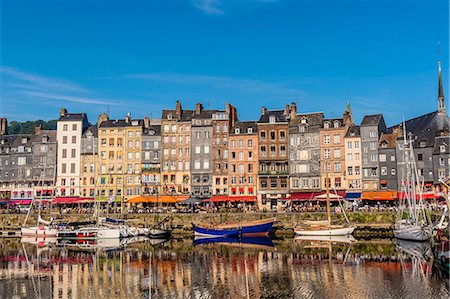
pixel 141 56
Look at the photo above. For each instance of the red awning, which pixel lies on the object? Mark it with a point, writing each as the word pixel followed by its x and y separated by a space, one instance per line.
pixel 309 196
pixel 72 200
pixel 402 195
pixel 217 198
pixel 225 198
pixel 19 202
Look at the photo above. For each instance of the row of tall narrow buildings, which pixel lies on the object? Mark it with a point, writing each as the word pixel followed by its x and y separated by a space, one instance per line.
pixel 203 153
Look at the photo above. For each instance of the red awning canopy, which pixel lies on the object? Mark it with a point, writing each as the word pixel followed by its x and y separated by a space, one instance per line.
pixel 217 198
pixel 429 195
pixel 310 196
pixel 225 198
pixel 20 202
pixel 72 200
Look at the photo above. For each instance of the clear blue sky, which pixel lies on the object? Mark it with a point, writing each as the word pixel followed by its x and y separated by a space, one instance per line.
pixel 141 56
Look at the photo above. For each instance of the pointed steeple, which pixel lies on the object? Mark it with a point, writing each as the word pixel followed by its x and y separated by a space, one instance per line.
pixel 348 115
pixel 441 99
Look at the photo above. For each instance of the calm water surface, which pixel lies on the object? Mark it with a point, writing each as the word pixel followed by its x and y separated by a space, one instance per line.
pixel 181 269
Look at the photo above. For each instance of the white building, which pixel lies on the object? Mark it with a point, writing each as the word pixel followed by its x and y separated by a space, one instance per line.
pixel 69 131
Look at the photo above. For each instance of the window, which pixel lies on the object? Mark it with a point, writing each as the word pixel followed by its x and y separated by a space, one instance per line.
pixel 356 144
pixel 373 158
pixel 241 143
pixel 373 146
pixel 337 166
pixel 303 155
pixel 326 139
pixel 65 127
pixel 272 135
pixel 419 157
pixel 303 168
pixel 197 164
pixel 383 170
pixel 241 155
pixel 73 153
pixel 349 144
pixel 206 148
pixel 272 119
pixel 250 167
pixel 442 148
pixel 393 171
pixel 282 135
pixel 282 150
pixel 72 168
pixel 197 149
pixel 64 139
pixel 382 157
pixel 336 139
pixel 64 153
pixel 273 150
pixel 21 161
pixel 241 168
pixel 206 164
pixel 236 131
pixel 349 157
pixel 326 153
pixel 263 151
pixel 262 135
pixel 350 170
pixel 174 128
pixel 373 134
pixel 357 170
pixel 74 139
pixel 74 127
pixel 337 153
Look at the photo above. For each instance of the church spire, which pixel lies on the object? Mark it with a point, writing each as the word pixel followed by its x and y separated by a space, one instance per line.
pixel 348 115
pixel 441 99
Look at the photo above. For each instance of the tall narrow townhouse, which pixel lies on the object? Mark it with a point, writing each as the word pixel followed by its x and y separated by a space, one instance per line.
pixel 176 150
pixel 151 157
pixel 388 160
pixel 70 128
pixel 304 154
pixel 222 122
pixel 332 136
pixel 371 128
pixel 44 149
pixel 89 157
pixel 201 152
pixel 273 175
pixel 353 164
pixel 133 158
pixel 243 161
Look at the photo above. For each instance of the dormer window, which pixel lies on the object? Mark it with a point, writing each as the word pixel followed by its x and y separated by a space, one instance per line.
pixel 24 139
pixel 442 148
pixel 352 133
pixel 272 119
pixel 304 121
pixel 44 138
pixel 169 116
pixel 151 132
pixel 336 124
pixel 326 125
pixel 250 130
pixel 422 143
pixel 302 129
pixel 237 131
pixel 384 144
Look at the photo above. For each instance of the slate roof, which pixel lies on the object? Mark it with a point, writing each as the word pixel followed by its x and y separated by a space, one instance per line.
pixel 186 115
pixel 445 140
pixel 279 116
pixel 50 133
pixel 243 126
pixel 205 114
pixel 72 116
pixel 93 129
pixel 353 131
pixel 426 127
pixel 155 128
pixel 390 139
pixel 372 120
pixel 331 121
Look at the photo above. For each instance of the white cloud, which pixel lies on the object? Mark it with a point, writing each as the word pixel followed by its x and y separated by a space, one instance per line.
pixel 61 97
pixel 210 7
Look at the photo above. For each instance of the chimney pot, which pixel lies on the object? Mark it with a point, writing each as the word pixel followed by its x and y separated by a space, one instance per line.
pixel 198 108
pixel 146 122
pixel 62 112
pixel 37 130
pixel 263 111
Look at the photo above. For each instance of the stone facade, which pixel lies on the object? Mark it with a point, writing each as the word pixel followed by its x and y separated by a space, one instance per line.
pixel 243 160
pixel 304 151
pixel 70 128
pixel 273 175
pixel 371 128
pixel 151 157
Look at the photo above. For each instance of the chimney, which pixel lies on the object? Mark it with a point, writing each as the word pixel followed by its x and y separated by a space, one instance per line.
pixel 178 109
pixel 104 117
pixel 37 130
pixel 293 110
pixel 287 111
pixel 263 111
pixel 3 126
pixel 62 112
pixel 198 108
pixel 127 118
pixel 146 122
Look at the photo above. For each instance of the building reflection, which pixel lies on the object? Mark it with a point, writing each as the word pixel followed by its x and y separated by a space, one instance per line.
pixel 183 271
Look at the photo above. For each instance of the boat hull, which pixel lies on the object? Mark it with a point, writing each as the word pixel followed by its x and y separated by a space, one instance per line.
pixel 91 233
pixel 159 233
pixel 412 232
pixel 258 230
pixel 39 231
pixel 341 231
pixel 216 232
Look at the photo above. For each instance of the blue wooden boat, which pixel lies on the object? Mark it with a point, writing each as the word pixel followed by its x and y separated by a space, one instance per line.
pixel 256 228
pixel 213 232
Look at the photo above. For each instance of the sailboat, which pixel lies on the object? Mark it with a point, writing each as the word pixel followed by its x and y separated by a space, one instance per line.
pixel 417 225
pixel 324 228
pixel 43 228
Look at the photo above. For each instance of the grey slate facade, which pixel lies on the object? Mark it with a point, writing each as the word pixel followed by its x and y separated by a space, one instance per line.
pixel 371 128
pixel 388 161
pixel 151 158
pixel 304 151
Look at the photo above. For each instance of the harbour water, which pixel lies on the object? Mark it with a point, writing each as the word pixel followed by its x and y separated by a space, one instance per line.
pixel 182 268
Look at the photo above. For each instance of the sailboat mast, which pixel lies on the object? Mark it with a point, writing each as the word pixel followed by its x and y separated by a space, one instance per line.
pixel 327 188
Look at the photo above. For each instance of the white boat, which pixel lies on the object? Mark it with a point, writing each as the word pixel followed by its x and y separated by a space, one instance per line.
pixel 330 238
pixel 333 230
pixel 90 232
pixel 410 231
pixel 39 231
pixel 324 228
pixel 417 226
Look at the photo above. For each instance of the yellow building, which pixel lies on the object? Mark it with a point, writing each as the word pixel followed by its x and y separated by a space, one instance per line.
pixel 119 159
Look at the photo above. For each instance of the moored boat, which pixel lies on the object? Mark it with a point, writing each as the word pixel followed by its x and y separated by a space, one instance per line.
pixel 254 228
pixel 213 232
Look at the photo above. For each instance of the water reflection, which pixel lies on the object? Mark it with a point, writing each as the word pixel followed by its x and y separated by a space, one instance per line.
pixel 182 268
